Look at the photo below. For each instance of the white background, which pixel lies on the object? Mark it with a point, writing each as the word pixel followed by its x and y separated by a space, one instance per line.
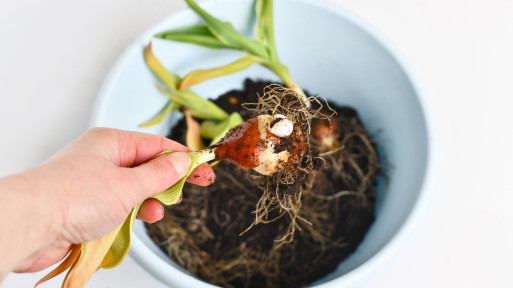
pixel 54 55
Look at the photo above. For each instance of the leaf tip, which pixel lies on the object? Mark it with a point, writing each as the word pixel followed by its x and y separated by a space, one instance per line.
pixel 147 51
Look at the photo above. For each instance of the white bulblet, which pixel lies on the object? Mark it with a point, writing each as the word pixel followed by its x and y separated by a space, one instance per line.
pixel 282 128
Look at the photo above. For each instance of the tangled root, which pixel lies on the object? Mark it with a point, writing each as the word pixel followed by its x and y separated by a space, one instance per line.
pixel 282 192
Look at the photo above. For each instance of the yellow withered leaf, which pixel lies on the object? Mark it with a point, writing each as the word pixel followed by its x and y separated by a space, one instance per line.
pixel 193 135
pixel 89 261
pixel 76 249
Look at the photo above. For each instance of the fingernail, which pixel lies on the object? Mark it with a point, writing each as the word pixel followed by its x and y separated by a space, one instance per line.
pixel 181 161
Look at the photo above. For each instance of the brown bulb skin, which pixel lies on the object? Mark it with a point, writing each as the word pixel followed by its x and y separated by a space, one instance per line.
pixel 250 145
pixel 242 145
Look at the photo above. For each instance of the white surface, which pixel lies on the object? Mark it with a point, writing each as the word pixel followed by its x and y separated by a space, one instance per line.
pixel 54 55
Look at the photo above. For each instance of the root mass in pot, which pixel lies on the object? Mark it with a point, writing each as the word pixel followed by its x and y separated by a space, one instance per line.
pixel 207 233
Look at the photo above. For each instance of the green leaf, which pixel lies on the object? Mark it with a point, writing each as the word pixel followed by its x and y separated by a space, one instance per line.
pixel 200 107
pixel 170 106
pixel 264 29
pixel 200 75
pixel 226 33
pixel 216 130
pixel 198 34
pixel 173 195
pixel 210 128
pixel 169 79
pixel 121 245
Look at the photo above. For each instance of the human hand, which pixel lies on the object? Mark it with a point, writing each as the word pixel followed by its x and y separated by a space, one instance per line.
pixel 89 187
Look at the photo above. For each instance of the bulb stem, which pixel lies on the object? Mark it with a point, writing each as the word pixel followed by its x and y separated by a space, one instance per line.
pixel 204 155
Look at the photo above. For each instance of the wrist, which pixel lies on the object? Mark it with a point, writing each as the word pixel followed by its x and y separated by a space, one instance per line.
pixel 29 226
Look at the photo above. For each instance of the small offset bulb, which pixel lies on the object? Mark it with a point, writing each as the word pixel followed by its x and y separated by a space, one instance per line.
pixel 325 132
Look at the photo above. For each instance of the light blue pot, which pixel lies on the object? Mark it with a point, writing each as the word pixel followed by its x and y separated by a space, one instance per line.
pixel 331 53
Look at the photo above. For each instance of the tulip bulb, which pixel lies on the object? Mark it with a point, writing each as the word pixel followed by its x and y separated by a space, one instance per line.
pixel 264 143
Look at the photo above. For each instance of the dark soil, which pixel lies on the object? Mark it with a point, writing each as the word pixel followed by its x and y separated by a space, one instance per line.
pixel 202 233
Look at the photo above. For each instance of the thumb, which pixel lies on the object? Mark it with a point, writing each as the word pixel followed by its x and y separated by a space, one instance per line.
pixel 160 173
